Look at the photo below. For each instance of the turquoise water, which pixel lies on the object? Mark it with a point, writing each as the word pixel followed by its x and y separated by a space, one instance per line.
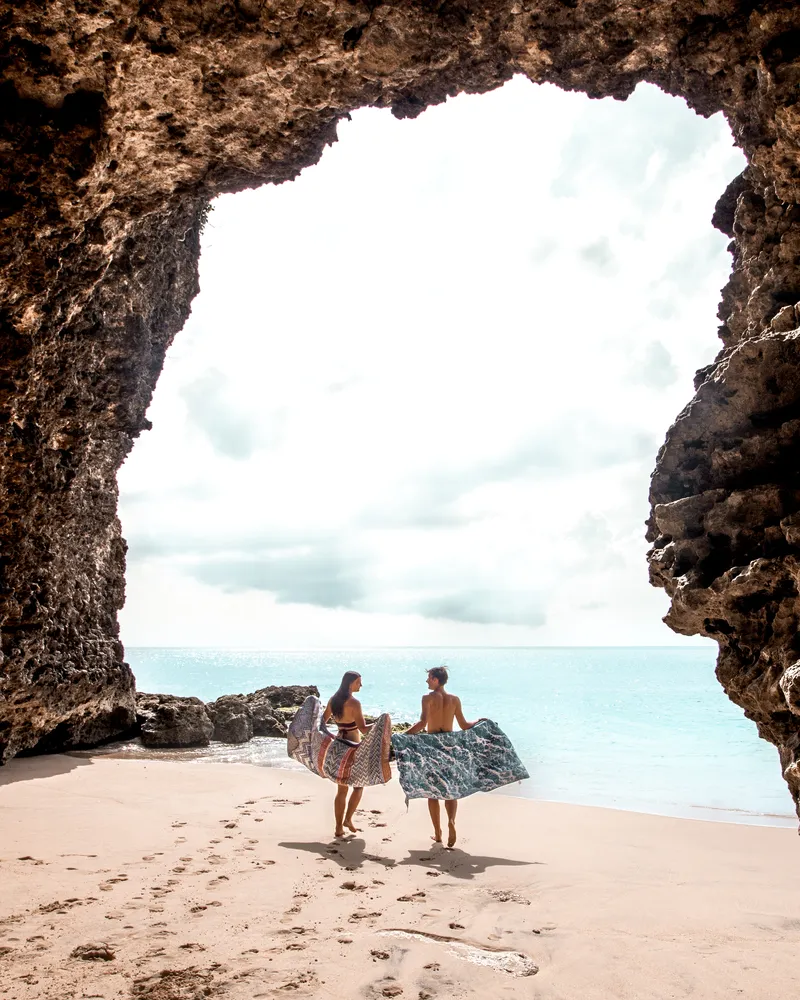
pixel 644 728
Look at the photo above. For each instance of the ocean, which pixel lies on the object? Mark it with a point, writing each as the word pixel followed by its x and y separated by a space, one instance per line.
pixel 640 728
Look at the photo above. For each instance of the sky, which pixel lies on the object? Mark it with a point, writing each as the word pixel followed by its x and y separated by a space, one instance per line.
pixel 420 395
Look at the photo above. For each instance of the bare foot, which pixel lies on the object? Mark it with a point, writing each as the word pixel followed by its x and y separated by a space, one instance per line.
pixel 351 826
pixel 451 835
pixel 437 837
pixel 339 831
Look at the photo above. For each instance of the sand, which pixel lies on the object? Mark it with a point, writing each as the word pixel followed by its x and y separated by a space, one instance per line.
pixel 180 881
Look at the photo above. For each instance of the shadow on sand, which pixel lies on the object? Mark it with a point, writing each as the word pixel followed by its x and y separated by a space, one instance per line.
pixel 347 853
pixel 36 768
pixel 458 863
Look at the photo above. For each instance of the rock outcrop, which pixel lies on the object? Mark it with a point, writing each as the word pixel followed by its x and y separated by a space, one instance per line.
pixel 232 718
pixel 272 707
pixel 118 123
pixel 166 720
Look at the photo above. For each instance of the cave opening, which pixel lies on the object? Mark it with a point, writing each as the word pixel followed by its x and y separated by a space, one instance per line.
pixel 421 392
pixel 418 403
pixel 123 128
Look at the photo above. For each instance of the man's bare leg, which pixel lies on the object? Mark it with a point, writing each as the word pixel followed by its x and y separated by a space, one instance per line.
pixel 355 798
pixel 338 809
pixel 433 809
pixel 451 805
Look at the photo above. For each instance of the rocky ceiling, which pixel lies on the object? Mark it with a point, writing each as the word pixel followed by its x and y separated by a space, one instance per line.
pixel 120 120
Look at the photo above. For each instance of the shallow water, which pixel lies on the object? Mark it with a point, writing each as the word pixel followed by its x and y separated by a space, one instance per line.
pixel 647 729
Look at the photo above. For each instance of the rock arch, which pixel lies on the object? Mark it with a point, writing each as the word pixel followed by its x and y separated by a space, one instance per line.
pixel 120 120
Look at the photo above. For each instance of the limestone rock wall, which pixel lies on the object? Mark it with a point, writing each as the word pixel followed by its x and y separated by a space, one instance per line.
pixel 120 120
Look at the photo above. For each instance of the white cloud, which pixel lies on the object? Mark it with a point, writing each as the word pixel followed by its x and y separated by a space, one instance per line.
pixel 422 389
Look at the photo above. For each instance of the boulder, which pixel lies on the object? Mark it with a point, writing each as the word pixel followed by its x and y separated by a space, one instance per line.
pixel 273 706
pixel 232 719
pixel 284 695
pixel 166 720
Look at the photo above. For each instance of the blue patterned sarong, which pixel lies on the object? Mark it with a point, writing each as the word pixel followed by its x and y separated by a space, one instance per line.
pixel 454 765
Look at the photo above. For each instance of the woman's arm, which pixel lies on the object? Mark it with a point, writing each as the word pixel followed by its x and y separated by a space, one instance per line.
pixel 358 716
pixel 423 721
pixel 327 714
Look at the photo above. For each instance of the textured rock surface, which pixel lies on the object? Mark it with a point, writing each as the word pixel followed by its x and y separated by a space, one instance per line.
pixel 120 121
pixel 268 707
pixel 232 718
pixel 165 720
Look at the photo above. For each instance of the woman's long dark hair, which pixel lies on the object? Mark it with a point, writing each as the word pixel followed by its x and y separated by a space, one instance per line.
pixel 341 696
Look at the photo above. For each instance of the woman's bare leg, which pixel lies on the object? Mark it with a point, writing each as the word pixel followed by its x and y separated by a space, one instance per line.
pixel 451 805
pixel 338 809
pixel 355 798
pixel 433 809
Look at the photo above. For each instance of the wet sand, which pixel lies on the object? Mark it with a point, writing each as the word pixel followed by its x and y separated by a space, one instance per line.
pixel 181 880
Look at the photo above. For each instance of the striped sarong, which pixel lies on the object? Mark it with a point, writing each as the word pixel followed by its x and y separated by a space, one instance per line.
pixel 357 764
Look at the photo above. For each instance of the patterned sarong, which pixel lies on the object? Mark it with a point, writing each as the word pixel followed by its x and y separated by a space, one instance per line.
pixel 454 765
pixel 357 764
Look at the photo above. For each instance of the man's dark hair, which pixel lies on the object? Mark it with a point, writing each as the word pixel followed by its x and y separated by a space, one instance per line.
pixel 440 673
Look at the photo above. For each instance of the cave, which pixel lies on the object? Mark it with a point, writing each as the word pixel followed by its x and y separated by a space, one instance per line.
pixel 120 123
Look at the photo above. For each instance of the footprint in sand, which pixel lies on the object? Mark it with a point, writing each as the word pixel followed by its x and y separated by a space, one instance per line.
pixel 305 979
pixel 387 988
pixel 177 824
pixel 507 896
pixel 360 915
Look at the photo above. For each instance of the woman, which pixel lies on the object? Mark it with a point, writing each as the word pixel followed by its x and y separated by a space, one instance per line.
pixel 345 710
pixel 346 759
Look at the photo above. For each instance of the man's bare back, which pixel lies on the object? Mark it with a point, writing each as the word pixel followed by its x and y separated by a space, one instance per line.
pixel 439 710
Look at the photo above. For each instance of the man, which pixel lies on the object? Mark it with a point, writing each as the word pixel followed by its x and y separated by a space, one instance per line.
pixel 439 709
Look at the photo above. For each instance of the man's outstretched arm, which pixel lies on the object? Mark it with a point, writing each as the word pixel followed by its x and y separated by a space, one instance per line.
pixel 460 717
pixel 423 721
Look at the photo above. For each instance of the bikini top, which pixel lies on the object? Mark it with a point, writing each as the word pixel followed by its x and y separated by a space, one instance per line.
pixel 346 726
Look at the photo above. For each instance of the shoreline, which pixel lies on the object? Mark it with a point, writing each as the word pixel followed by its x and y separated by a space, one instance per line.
pixel 224 881
pixel 235 753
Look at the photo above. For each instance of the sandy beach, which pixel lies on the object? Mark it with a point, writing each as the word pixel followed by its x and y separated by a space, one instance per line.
pixel 180 881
